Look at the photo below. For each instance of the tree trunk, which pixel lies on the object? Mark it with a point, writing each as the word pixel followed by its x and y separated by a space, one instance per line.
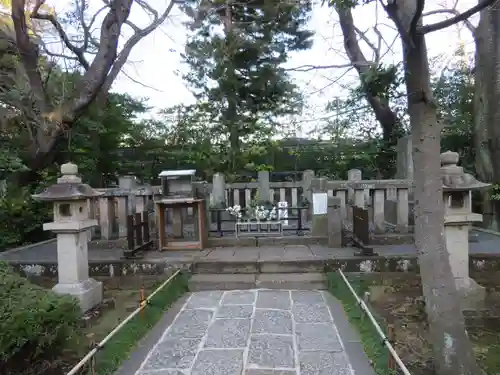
pixel 453 352
pixel 487 108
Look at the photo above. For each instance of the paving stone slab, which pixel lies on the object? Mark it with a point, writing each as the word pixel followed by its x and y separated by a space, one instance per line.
pixel 208 299
pixel 304 297
pixel 235 312
pixel 172 354
pixel 317 337
pixel 238 297
pixel 273 299
pixel 271 351
pixel 272 321
pixel 162 372
pixel 277 332
pixel 317 313
pixel 270 372
pixel 324 363
pixel 218 362
pixel 190 324
pixel 228 333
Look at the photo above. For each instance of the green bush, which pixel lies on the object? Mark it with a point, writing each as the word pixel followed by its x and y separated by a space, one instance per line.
pixel 36 325
pixel 21 219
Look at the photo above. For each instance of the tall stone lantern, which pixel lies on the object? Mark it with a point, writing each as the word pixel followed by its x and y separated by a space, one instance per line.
pixel 458 218
pixel 71 224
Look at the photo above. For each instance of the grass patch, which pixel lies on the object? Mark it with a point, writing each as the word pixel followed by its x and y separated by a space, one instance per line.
pixel 374 348
pixel 119 348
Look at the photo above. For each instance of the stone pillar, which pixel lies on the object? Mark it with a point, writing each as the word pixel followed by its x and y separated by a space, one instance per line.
pixel 457 186
pixel 122 207
pixel 71 224
pixel 264 187
pixel 403 211
pixel 218 190
pixel 334 222
pixel 378 210
pixel 404 158
pixel 106 217
pixel 319 207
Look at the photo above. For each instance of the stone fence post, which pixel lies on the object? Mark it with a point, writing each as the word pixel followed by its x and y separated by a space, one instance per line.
pixel 354 197
pixel 126 202
pixel 334 222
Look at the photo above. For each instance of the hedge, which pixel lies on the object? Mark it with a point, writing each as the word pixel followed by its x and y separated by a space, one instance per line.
pixel 36 325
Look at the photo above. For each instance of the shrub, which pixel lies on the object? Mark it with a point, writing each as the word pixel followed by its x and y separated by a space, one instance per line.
pixel 21 219
pixel 37 326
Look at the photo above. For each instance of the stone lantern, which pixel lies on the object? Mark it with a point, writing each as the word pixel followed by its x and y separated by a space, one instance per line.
pixel 458 218
pixel 71 224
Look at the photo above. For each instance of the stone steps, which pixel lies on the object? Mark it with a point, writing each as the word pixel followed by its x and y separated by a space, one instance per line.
pixel 242 281
pixel 257 267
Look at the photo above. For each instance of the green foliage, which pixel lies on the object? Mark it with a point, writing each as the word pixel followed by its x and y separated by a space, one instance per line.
pixel 495 193
pixel 454 94
pixel 36 324
pixel 238 77
pixel 382 81
pixel 21 219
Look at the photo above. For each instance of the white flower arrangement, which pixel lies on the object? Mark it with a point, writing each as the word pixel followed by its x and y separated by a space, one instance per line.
pixel 259 213
pixel 235 211
pixel 262 213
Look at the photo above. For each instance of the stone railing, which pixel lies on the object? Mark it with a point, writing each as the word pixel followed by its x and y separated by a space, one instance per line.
pixel 375 195
pixel 229 194
pixel 387 200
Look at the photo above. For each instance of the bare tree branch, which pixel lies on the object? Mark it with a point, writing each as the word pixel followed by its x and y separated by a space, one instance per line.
pixel 417 17
pixel 134 39
pixel 455 12
pixel 79 52
pixel 458 18
pixel 376 50
pixel 307 67
pixel 28 53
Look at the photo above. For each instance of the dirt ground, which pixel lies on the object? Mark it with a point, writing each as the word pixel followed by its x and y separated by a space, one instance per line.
pixel 400 303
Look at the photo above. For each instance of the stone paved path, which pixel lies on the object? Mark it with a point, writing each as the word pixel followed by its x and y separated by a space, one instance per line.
pixel 254 332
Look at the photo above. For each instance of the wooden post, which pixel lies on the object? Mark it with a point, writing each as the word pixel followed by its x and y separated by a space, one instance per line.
pixel 145 226
pixel 130 232
pixel 390 337
pixel 138 229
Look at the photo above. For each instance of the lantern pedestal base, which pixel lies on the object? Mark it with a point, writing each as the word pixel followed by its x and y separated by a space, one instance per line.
pixel 88 292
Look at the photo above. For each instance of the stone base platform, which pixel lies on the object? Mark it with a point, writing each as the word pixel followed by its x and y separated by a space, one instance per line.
pixel 88 292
